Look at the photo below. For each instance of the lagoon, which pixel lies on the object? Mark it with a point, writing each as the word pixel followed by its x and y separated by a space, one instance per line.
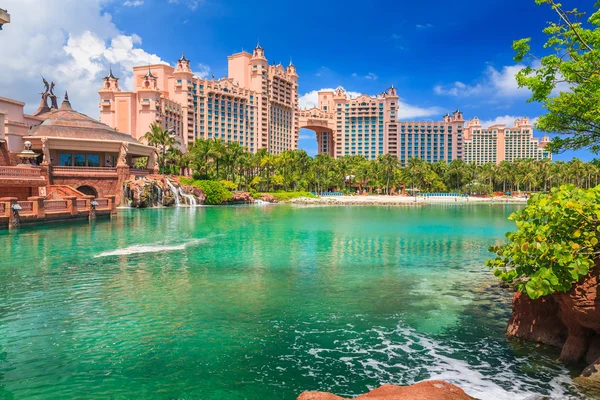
pixel 263 302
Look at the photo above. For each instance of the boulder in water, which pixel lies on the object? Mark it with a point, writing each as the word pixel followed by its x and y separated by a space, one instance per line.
pixel 426 390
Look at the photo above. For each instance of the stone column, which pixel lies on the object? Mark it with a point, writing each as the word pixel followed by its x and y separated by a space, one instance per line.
pixel 112 204
pixel 9 202
pixel 88 205
pixel 71 204
pixel 152 164
pixel 38 206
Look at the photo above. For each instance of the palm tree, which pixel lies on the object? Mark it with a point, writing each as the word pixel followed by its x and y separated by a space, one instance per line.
pixel 388 164
pixel 161 139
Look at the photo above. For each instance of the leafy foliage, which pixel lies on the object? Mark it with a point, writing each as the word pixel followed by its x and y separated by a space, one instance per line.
pixel 555 244
pixel 573 61
pixel 216 193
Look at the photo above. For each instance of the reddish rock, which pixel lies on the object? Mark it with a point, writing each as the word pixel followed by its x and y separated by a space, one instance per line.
pixel 269 198
pixel 569 321
pixel 537 321
pixel 241 198
pixel 427 390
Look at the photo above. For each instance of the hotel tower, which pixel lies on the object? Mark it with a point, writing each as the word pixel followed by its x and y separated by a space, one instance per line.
pixel 255 105
pixel 368 126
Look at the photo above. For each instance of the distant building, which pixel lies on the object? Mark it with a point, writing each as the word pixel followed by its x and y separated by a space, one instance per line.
pixel 499 143
pixel 432 141
pixel 368 126
pixel 256 105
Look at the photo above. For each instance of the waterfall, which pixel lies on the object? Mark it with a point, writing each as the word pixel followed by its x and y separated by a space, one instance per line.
pixel 190 199
pixel 174 190
pixel 139 193
pixel 159 195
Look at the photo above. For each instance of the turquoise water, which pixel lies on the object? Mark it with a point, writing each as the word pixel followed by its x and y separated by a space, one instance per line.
pixel 262 303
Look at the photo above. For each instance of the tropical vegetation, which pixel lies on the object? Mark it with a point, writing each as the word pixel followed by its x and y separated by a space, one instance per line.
pixel 556 242
pixel 296 171
pixel 569 66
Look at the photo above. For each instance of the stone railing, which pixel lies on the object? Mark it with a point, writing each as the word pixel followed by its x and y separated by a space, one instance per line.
pixel 26 206
pixel 140 172
pixel 82 204
pixel 38 210
pixel 20 172
pixel 83 170
pixel 56 205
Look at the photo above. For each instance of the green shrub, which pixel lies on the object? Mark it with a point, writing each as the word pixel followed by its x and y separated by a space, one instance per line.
pixel 555 244
pixel 286 196
pixel 215 192
pixel 229 185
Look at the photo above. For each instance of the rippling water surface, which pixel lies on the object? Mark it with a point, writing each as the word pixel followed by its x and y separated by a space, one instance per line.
pixel 262 303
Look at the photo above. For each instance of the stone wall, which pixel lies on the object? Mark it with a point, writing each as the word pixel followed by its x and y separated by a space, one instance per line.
pixel 21 193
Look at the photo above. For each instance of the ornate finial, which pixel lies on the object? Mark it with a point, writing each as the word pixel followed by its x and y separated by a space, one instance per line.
pixel 66 96
pixel 258 44
pixel 149 74
pixel 183 59
pixel 291 63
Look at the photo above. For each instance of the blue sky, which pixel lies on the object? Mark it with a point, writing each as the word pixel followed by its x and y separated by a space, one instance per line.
pixel 439 54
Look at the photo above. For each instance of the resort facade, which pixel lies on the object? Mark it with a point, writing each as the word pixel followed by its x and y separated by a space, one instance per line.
pixel 368 126
pixel 57 152
pixel 256 105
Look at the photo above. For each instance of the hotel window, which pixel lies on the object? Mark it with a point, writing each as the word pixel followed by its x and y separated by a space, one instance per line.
pixel 93 160
pixel 65 160
pixel 79 160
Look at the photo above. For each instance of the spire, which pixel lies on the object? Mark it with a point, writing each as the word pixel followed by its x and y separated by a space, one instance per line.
pixel 291 63
pixel 149 74
pixel 66 104
pixel 110 74
pixel 183 59
pixel 258 45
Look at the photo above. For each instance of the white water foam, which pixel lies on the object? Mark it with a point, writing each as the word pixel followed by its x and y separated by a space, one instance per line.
pixel 150 248
pixel 404 356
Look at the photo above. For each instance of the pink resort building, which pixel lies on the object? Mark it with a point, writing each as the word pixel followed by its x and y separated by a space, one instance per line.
pixel 255 105
pixel 368 126
pixel 499 143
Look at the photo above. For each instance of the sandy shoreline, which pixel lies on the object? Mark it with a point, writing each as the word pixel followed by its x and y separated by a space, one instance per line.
pixel 403 200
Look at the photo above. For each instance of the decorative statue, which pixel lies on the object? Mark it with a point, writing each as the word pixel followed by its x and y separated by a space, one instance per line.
pixel 123 155
pixel 53 96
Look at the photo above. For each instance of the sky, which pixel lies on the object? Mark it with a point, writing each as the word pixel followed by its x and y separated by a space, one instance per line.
pixel 440 55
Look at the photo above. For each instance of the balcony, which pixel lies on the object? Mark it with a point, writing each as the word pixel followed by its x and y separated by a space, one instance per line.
pixel 21 176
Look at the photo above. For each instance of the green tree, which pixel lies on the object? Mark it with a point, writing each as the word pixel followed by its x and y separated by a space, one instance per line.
pixel 574 60
pixel 161 139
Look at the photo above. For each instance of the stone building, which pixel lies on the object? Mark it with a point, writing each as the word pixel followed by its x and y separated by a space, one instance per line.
pixel 75 155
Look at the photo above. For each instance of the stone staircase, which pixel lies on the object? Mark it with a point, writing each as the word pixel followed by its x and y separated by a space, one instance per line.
pixel 58 192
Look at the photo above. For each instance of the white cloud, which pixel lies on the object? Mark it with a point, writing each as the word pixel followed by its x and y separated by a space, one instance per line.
pixel 354 74
pixel 495 83
pixel 311 99
pixel 405 110
pixel 191 4
pixel 424 26
pixel 71 42
pixel 306 137
pixel 507 120
pixel 133 3
pixel 395 36
pixel 371 76
pixel 202 70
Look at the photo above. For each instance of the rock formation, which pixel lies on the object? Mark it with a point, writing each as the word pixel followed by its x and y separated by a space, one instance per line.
pixel 427 390
pixel 154 191
pixel 569 321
